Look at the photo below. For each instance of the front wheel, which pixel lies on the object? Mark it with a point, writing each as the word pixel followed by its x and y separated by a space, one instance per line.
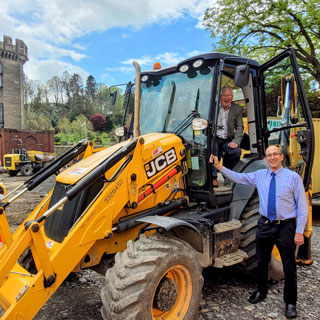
pixel 26 170
pixel 156 278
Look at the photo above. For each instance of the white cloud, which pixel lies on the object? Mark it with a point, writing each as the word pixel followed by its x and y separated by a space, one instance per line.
pixel 121 69
pixel 146 60
pixel 126 35
pixel 51 28
pixel 46 69
pixel 166 59
pixel 79 46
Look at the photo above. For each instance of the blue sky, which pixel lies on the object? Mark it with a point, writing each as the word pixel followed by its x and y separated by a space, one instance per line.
pixel 102 37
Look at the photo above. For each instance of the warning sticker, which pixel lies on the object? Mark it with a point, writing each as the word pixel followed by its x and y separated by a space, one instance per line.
pixel 50 244
pixel 78 171
pixel 157 151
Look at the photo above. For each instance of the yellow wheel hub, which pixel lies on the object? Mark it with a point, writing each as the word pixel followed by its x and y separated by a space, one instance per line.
pixel 276 254
pixel 171 298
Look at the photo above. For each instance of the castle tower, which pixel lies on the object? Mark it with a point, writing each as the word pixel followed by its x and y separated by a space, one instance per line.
pixel 12 59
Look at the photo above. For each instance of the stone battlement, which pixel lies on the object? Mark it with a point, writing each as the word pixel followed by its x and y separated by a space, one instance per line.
pixel 16 52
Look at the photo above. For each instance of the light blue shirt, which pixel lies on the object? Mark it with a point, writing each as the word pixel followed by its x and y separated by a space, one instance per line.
pixel 291 201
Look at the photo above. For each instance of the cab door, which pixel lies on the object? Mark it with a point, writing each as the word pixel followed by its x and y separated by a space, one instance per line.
pixel 285 116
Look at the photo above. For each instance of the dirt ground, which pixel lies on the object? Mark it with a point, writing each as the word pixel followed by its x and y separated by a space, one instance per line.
pixel 20 208
pixel 224 295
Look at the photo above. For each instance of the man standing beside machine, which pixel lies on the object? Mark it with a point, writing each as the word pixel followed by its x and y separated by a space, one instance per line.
pixel 284 212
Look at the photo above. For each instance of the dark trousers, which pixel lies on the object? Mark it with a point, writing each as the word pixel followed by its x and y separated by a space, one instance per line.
pixel 231 156
pixel 281 235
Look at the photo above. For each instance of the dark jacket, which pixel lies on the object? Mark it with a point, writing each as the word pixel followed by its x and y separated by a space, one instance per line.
pixel 235 123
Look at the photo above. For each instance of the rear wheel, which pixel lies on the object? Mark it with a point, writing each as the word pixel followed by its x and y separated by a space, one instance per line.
pixel 26 170
pixel 275 267
pixel 155 278
pixel 249 220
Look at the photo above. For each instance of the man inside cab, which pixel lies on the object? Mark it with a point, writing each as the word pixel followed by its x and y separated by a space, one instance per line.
pixel 229 132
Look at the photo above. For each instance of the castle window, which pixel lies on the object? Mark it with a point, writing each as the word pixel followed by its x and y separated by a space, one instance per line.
pixel 1 116
pixel 0 75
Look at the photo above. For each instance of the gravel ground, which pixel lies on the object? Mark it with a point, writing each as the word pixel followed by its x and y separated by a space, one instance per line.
pixel 224 295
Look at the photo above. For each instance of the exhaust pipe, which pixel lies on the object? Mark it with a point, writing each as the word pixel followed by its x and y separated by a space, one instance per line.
pixel 136 125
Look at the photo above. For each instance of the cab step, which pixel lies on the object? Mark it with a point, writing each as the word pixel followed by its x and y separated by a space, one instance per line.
pixel 230 259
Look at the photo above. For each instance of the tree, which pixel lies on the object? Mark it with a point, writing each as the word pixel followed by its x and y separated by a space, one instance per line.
pixel 80 125
pixel 76 96
pixel 64 126
pixel 98 121
pixel 55 85
pixel 91 88
pixel 262 28
pixel 34 121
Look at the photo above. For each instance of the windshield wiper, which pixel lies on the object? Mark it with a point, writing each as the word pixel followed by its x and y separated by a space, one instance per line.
pixel 188 120
pixel 173 93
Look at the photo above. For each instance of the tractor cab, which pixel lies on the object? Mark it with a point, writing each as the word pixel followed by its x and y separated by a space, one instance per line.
pixel 184 100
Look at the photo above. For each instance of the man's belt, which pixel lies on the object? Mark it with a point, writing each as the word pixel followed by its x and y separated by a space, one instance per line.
pixel 277 221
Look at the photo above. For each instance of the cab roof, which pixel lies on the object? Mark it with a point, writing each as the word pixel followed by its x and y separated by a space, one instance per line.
pixel 227 57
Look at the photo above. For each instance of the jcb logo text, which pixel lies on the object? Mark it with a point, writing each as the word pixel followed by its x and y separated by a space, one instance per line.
pixel 160 162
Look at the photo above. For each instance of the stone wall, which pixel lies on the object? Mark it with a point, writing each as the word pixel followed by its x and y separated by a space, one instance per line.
pixel 12 59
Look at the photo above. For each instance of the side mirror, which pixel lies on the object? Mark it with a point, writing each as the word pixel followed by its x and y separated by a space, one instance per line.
pixel 113 96
pixel 120 132
pixel 241 77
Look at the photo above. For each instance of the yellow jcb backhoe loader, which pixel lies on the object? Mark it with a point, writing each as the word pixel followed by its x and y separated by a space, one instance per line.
pixel 27 162
pixel 145 209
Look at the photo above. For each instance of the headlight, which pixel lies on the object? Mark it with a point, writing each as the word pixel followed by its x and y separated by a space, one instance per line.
pixel 199 124
pixel 144 78
pixel 184 68
pixel 198 63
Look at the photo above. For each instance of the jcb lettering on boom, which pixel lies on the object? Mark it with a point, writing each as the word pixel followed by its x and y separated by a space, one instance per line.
pixel 160 163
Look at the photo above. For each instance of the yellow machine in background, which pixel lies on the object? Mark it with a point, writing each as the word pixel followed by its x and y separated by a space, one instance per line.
pixel 144 211
pixel 25 161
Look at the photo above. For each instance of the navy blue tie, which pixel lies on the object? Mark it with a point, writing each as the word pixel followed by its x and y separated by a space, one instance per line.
pixel 272 214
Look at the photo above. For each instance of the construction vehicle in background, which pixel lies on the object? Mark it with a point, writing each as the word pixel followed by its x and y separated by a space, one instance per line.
pixel 27 162
pixel 144 210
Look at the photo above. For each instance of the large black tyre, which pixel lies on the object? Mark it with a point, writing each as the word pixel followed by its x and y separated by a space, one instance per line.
pixel 156 277
pixel 249 220
pixel 12 173
pixel 27 262
pixel 26 170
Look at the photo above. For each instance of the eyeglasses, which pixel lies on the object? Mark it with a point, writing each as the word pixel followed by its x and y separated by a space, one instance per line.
pixel 272 155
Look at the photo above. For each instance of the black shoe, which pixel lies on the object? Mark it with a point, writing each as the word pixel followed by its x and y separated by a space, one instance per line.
pixel 256 297
pixel 291 311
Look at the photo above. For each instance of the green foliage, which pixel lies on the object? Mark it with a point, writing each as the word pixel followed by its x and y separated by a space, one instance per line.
pixel 99 138
pixel 80 128
pixel 63 99
pixel 64 126
pixel 35 122
pixel 262 28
